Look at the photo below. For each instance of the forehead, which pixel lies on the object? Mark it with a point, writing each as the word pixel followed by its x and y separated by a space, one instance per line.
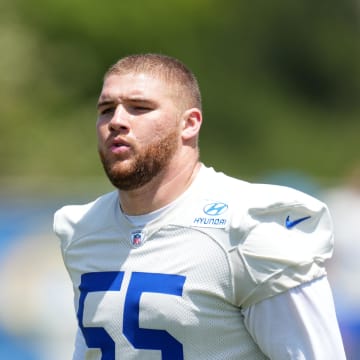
pixel 135 85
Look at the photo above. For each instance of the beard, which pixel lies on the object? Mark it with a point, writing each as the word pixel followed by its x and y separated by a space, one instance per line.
pixel 144 166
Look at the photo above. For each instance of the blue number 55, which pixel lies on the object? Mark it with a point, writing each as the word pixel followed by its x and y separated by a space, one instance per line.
pixel 140 338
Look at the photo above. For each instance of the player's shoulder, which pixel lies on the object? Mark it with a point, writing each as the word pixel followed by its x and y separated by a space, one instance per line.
pixel 284 208
pixel 277 214
pixel 288 238
pixel 71 219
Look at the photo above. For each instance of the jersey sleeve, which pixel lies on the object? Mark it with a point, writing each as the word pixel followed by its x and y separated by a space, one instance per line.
pixel 312 333
pixel 288 237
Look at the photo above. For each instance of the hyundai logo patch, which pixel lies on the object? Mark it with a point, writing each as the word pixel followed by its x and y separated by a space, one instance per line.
pixel 215 208
pixel 213 214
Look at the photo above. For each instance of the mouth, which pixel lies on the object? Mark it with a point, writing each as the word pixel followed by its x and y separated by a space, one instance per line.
pixel 119 146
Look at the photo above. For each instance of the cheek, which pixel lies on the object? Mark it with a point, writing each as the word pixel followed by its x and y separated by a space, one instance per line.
pixel 163 128
pixel 144 135
pixel 101 131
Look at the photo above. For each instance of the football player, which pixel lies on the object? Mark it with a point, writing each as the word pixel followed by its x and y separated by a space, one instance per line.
pixel 181 261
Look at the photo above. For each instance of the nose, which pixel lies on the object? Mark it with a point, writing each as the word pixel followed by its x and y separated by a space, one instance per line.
pixel 119 120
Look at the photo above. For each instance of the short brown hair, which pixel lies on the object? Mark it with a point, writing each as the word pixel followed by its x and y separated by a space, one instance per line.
pixel 165 67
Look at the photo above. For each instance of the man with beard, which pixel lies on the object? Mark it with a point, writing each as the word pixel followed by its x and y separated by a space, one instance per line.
pixel 183 262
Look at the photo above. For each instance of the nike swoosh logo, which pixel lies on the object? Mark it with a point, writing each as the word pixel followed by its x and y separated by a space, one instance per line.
pixel 291 223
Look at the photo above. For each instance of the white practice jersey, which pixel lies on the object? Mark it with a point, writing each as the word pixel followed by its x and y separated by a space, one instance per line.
pixel 174 288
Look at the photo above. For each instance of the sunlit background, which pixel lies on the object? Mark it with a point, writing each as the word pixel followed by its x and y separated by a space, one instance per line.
pixel 280 81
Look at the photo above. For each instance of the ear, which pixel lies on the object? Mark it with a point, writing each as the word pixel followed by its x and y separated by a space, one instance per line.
pixel 191 123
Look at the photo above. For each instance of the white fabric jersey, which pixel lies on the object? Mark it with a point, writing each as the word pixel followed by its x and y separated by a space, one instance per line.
pixel 173 289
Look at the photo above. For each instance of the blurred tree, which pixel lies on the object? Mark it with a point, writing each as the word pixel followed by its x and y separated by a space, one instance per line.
pixel 280 79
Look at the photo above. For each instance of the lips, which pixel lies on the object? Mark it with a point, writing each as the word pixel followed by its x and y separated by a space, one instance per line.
pixel 119 146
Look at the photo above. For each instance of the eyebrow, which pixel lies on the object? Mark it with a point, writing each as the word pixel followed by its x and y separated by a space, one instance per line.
pixel 135 99
pixel 104 103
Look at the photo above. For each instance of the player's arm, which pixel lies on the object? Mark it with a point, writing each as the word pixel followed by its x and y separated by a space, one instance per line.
pixel 297 324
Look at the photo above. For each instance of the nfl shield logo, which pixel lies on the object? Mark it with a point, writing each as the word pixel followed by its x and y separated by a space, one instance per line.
pixel 137 238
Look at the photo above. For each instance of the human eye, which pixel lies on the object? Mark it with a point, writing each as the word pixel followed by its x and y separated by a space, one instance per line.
pixel 139 107
pixel 106 110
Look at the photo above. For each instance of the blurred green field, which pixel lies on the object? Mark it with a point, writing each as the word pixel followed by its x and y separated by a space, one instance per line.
pixel 280 82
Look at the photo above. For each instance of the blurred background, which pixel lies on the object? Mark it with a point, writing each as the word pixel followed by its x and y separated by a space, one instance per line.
pixel 280 82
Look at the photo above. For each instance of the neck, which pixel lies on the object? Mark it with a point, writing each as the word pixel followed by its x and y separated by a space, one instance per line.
pixel 160 191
